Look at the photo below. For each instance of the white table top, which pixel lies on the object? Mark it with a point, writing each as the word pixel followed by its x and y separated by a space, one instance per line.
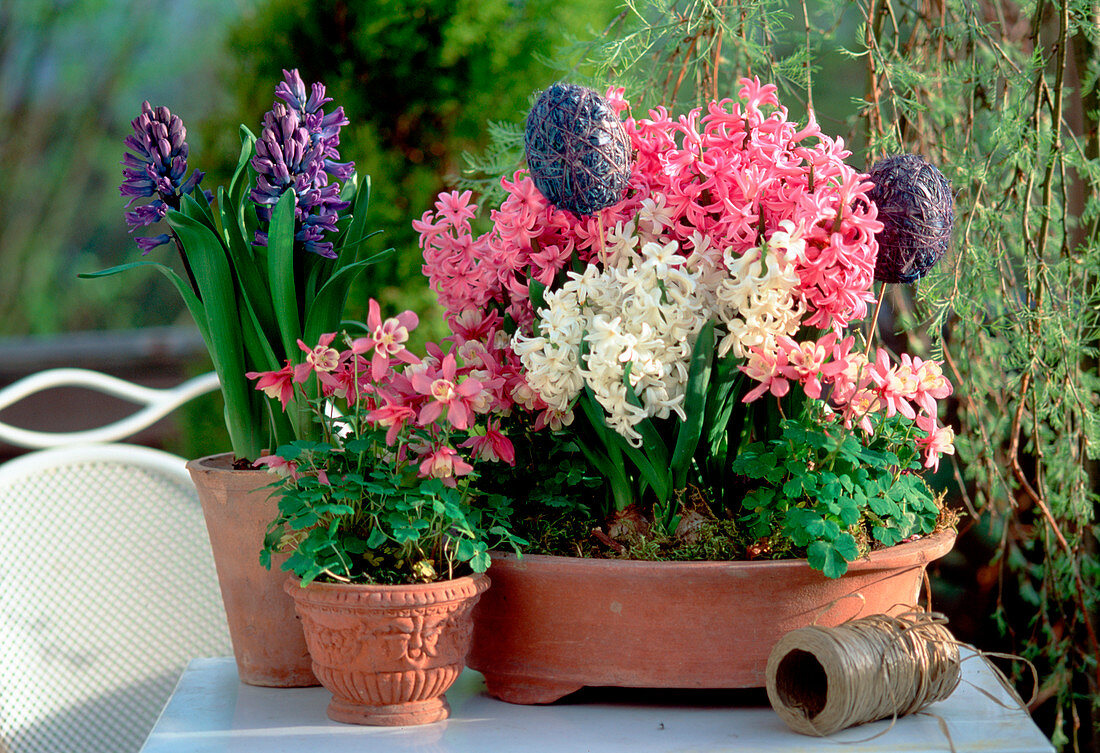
pixel 211 710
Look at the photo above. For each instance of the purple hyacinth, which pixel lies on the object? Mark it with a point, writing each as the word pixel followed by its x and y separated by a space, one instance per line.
pixel 297 149
pixel 155 165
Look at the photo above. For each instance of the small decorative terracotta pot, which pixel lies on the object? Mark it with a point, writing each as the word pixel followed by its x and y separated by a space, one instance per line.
pixel 388 653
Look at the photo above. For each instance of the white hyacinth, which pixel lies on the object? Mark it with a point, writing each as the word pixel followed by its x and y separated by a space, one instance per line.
pixel 641 314
pixel 644 311
pixel 758 300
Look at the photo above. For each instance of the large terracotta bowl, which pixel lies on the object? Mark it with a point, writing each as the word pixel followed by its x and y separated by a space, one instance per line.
pixel 552 625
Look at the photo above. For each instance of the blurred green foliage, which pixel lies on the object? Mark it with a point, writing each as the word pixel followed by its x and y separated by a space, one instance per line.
pixel 72 76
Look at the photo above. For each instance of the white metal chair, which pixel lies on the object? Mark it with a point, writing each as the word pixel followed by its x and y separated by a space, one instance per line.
pixel 107 584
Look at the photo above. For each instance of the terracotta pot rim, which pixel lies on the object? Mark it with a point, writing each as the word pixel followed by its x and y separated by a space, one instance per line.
pixel 363 597
pixel 218 468
pixel 480 581
pixel 217 462
pixel 914 553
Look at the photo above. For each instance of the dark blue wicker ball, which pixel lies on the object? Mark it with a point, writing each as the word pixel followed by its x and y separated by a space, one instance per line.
pixel 917 210
pixel 577 149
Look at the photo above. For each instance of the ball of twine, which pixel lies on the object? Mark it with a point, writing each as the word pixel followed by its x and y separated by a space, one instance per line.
pixel 917 211
pixel 577 149
pixel 821 680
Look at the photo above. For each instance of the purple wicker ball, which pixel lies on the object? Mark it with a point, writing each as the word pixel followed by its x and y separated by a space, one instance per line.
pixel 577 149
pixel 917 211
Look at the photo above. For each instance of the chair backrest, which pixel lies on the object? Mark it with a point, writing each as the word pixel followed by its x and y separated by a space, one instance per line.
pixel 107 589
pixel 158 404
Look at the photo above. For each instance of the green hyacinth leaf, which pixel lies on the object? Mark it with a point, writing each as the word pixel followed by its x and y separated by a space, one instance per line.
pixel 239 182
pixel 347 246
pixel 251 276
pixel 195 206
pixel 695 400
pixel 280 274
pixel 210 266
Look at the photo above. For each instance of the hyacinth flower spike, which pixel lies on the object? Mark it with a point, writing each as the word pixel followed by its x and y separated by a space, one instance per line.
pixel 253 308
pixel 297 151
pixel 155 165
pixel 322 128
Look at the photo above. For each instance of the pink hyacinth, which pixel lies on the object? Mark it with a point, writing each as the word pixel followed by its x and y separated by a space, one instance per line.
pixel 715 178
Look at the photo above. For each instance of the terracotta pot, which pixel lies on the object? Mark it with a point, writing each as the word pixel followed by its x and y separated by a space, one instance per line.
pixel 266 633
pixel 552 625
pixel 388 653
